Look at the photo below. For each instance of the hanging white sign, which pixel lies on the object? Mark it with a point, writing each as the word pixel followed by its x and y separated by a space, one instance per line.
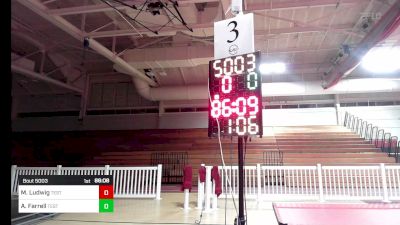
pixel 234 36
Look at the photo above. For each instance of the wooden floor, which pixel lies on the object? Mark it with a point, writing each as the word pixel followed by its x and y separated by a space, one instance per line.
pixel 168 210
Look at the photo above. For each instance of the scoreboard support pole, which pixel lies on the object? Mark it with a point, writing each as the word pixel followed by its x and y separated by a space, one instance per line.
pixel 241 217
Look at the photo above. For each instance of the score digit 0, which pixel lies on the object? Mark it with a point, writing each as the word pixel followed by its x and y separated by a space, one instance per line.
pixel 236 101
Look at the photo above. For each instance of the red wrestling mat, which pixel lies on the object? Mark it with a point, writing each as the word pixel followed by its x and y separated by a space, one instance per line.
pixel 337 213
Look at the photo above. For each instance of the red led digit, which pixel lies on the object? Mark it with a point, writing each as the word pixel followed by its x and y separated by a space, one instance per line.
pixel 226 84
pixel 216 107
pixel 226 109
pixel 240 106
pixel 252 102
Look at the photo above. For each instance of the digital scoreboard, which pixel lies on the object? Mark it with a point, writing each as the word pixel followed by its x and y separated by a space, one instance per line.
pixel 235 96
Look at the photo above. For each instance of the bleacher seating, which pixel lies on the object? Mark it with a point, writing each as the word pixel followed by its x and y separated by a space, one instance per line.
pixel 307 145
pixel 328 145
pixel 300 145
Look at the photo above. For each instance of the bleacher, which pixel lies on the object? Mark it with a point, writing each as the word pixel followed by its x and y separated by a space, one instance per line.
pixel 331 145
pixel 309 145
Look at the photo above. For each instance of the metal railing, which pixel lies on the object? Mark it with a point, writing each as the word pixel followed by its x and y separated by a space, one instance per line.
pixel 381 139
pixel 173 164
pixel 128 182
pixel 273 158
pixel 375 182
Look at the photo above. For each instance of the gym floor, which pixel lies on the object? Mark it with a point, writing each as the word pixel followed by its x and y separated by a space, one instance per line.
pixel 168 210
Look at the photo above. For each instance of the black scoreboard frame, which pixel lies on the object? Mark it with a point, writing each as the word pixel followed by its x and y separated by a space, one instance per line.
pixel 239 89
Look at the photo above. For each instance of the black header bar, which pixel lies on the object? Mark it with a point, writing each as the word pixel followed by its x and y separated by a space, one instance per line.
pixel 65 179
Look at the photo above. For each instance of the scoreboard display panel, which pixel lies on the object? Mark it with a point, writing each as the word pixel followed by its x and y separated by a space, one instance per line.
pixel 235 96
pixel 65 194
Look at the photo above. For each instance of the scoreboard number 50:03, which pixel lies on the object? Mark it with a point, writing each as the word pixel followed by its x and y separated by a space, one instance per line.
pixel 237 65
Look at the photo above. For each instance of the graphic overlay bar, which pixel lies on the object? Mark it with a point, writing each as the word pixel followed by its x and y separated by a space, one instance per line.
pixel 65 194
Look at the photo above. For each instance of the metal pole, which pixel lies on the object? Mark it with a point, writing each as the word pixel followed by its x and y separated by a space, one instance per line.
pixel 241 219
pixel 159 174
pixel 84 97
pixel 13 178
pixel 208 189
pixel 337 109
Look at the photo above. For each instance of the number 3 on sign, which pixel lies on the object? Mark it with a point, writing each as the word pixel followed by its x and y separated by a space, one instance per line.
pixel 233 30
pixel 234 36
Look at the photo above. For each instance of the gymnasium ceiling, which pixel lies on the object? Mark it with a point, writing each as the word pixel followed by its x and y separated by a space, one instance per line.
pixel 309 36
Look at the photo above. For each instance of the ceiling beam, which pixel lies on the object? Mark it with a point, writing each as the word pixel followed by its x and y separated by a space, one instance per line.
pixel 302 24
pixel 175 57
pixel 277 5
pixel 250 7
pixel 46 79
pixel 380 31
pixel 144 45
pixel 95 8
pixel 298 29
pixel 37 7
pixel 304 29
pixel 104 8
pixel 130 32
pixel 300 50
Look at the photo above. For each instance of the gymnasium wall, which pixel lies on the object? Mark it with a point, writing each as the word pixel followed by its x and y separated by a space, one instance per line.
pixel 95 122
pixel 299 117
pixel 386 117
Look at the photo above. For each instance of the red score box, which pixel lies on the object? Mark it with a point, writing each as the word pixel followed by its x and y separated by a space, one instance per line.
pixel 106 192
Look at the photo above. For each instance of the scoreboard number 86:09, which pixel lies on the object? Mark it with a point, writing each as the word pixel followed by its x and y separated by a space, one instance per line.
pixel 235 91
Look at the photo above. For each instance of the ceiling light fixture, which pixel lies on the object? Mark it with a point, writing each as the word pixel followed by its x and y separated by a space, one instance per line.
pixel 155 7
pixel 272 68
pixel 382 60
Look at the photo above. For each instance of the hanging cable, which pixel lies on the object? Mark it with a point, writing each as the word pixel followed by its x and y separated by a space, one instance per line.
pixel 223 164
pixel 221 152
pixel 127 16
pixel 244 167
pixel 123 17
pixel 156 6
pixel 231 160
pixel 203 205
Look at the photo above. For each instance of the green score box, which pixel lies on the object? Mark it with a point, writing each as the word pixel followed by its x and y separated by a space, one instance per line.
pixel 106 205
